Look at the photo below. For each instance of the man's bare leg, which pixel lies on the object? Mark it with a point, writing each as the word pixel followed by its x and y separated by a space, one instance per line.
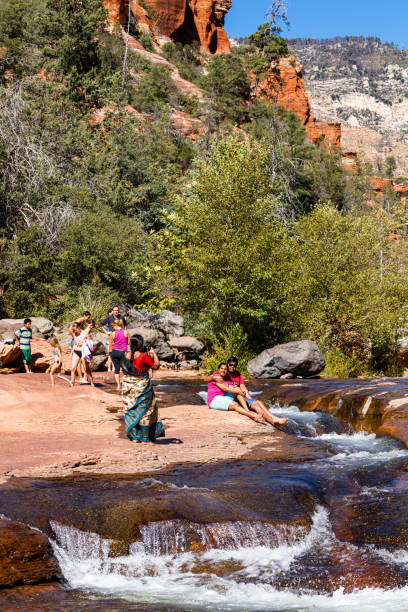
pixel 261 409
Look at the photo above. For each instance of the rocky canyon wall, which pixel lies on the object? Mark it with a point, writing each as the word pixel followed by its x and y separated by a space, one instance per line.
pixel 182 21
pixel 285 85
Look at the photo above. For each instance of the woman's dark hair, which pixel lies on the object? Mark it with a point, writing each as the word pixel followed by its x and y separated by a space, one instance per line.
pixel 136 343
pixel 221 364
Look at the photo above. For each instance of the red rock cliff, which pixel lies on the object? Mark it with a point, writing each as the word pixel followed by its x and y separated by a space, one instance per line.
pixel 285 85
pixel 181 20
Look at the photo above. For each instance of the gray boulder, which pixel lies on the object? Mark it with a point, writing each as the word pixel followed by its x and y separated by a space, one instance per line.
pixel 189 365
pixel 99 340
pixel 38 325
pixel 187 356
pixel 64 337
pixel 45 326
pixel 98 362
pixel 302 358
pixel 164 350
pixel 168 323
pixel 150 336
pixel 186 343
pixel 156 339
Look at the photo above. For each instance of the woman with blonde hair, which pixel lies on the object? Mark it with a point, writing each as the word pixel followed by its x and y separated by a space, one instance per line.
pixel 55 367
pixel 120 340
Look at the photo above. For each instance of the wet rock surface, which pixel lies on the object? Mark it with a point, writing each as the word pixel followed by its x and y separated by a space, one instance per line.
pixel 26 556
pixel 378 405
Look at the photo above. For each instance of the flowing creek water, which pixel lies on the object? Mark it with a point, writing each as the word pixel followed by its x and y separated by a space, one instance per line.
pixel 327 533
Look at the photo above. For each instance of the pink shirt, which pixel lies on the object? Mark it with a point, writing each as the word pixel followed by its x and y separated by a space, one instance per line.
pixel 213 390
pixel 120 342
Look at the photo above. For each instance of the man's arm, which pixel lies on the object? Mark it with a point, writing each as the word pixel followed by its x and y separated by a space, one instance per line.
pixel 245 391
pixel 104 322
pixel 227 389
pixel 17 338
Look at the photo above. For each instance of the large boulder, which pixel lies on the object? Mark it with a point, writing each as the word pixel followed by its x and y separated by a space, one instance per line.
pixel 10 355
pixel 38 324
pixel 26 556
pixel 156 339
pixel 302 358
pixel 98 362
pixel 99 340
pixel 187 343
pixel 45 326
pixel 168 323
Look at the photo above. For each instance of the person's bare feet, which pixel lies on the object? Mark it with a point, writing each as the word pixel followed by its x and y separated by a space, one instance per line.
pixel 280 421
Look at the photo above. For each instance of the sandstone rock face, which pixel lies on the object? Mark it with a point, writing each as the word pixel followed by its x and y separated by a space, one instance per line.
pixel 285 85
pixel 371 105
pixel 25 556
pixel 183 21
pixel 301 358
pixel 10 355
pixel 378 184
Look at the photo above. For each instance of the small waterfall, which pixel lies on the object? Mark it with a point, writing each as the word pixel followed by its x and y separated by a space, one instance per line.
pixel 178 536
pixel 226 572
pixel 172 537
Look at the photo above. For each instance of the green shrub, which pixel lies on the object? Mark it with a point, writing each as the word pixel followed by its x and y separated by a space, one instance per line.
pixel 146 40
pixel 339 365
pixel 98 300
pixel 233 342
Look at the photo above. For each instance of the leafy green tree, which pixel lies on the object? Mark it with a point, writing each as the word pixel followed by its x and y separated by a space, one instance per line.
pixel 28 273
pixel 228 86
pixel 390 166
pixel 224 250
pixel 351 272
pixel 70 30
pixel 98 248
pixel 18 50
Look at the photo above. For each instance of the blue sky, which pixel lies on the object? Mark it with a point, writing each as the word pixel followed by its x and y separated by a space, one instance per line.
pixel 387 19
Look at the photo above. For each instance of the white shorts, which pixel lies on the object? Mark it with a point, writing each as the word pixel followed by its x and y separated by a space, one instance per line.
pixel 222 402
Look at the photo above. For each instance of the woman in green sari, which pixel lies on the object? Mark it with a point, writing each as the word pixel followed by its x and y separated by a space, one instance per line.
pixel 142 420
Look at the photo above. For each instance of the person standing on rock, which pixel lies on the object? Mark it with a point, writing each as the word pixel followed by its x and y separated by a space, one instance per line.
pixel 57 364
pixel 82 321
pixel 142 420
pixel 120 340
pixel 108 321
pixel 23 339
